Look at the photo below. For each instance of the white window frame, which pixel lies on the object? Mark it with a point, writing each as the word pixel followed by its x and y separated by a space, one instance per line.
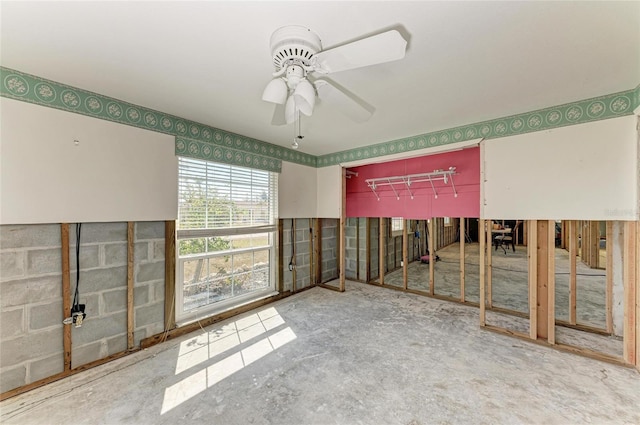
pixel 397 226
pixel 182 316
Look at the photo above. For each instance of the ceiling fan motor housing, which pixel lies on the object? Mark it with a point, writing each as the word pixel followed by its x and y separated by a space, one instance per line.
pixel 294 42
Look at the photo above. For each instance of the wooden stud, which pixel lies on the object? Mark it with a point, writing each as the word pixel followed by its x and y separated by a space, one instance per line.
pixel 482 235
pixel 551 282
pixel 630 286
pixel 594 254
pixel 381 250
pixel 637 289
pixel 343 213
pixel 294 257
pixel 405 256
pixel 318 250
pixel 609 273
pixel 368 249
pixel 358 248
pixel 312 263
pixel 490 251
pixel 532 258
pixel 280 256
pixel 130 311
pixel 542 281
pixel 573 256
pixel 169 274
pixel 462 241
pixel 432 257
pixel 66 295
pixel 525 235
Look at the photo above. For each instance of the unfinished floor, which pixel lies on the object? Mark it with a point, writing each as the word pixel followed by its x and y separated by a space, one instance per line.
pixel 366 356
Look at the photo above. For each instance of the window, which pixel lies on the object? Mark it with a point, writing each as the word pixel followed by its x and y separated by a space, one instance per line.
pixel 396 226
pixel 226 236
pixel 447 221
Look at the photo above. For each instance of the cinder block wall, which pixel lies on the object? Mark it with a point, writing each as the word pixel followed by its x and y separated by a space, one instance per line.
pixel 329 247
pixel 362 247
pixel 31 295
pixel 303 252
pixel 374 248
pixel 31 304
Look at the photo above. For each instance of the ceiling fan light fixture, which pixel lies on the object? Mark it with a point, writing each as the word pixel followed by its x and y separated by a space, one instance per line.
pixel 276 91
pixel 305 97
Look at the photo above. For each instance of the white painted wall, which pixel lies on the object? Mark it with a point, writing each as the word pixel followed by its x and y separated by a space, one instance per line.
pixel 115 173
pixel 329 191
pixel 297 191
pixel 587 171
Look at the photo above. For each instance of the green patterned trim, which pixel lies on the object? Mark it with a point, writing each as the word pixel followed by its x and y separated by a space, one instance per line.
pixel 204 150
pixel 28 88
pixel 32 89
pixel 599 108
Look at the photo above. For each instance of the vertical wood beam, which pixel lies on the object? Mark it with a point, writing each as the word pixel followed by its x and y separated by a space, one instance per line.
pixel 432 257
pixel 532 256
pixel 130 311
pixel 367 250
pixel 525 235
pixel 280 257
pixel 490 250
pixel 573 257
pixel 462 241
pixel 482 235
pixel 405 256
pixel 169 274
pixel 294 257
pixel 318 250
pixel 594 238
pixel 609 274
pixel 637 289
pixel 551 282
pixel 66 294
pixel 630 288
pixel 343 214
pixel 358 248
pixel 542 286
pixel 382 240
pixel 312 257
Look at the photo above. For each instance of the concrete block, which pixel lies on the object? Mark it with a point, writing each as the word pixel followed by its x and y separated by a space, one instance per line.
pixel 97 328
pixel 100 279
pixel 86 353
pixel 11 323
pixel 89 257
pixel 115 300
pixel 141 294
pixel 158 250
pixel 20 349
pixel 115 254
pixel 11 265
pixel 350 232
pixel 155 328
pixel 150 271
pixel 99 233
pixel 45 315
pixel 149 230
pixel 43 368
pixel 44 261
pixel 138 335
pixel 30 235
pixel 302 235
pixel 146 315
pixel 141 252
pixel 116 344
pixel 303 248
pixel 13 378
pixel 91 301
pixel 30 290
pixel 158 291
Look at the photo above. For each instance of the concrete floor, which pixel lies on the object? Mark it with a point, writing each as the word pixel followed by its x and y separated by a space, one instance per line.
pixel 366 356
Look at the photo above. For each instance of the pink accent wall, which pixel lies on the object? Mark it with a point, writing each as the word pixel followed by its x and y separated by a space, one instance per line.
pixel 361 201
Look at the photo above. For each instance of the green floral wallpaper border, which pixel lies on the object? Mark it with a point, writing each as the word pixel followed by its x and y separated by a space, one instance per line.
pixel 20 86
pixel 204 150
pixel 201 141
pixel 598 108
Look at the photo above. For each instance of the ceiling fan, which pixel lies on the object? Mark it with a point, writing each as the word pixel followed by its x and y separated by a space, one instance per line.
pixel 298 56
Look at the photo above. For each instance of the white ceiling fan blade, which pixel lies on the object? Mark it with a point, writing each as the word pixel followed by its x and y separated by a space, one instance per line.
pixel 386 47
pixel 330 94
pixel 278 115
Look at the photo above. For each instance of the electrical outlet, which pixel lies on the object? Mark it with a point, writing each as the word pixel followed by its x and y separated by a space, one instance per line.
pixel 77 316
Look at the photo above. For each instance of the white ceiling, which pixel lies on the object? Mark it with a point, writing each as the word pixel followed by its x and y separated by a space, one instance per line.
pixel 209 61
